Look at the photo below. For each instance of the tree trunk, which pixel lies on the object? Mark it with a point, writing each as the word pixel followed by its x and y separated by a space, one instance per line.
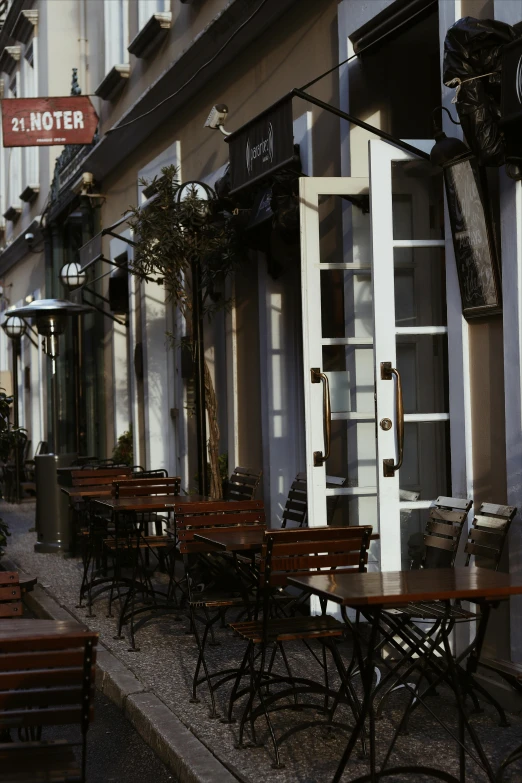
pixel 216 487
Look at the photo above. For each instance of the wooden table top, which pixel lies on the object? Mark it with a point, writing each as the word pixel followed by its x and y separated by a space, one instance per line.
pixel 149 502
pixel 79 493
pixel 232 540
pixel 403 587
pixel 20 627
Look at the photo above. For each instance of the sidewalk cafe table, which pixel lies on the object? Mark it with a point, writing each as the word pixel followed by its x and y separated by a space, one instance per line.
pixel 141 506
pixel 231 540
pixel 371 593
pixel 146 503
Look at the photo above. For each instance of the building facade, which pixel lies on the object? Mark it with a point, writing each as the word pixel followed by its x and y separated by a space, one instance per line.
pixel 375 279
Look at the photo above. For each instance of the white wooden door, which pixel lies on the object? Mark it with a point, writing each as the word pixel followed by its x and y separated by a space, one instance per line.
pixel 374 309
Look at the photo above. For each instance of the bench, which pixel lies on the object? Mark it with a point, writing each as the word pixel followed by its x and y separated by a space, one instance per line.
pixel 46 679
pixel 509 671
pixel 10 595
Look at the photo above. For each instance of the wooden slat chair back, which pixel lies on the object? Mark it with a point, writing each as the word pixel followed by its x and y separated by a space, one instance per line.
pixel 298 552
pixel 45 681
pixel 332 482
pixel 140 473
pixel 243 484
pixel 137 487
pixel 488 534
pixel 296 509
pixel 96 480
pixel 202 517
pixel 10 595
pixel 294 553
pixel 90 471
pixel 443 531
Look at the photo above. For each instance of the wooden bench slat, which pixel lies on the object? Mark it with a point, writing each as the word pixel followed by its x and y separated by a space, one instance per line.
pixel 496 510
pixel 461 503
pixel 442 528
pixel 447 516
pixel 439 543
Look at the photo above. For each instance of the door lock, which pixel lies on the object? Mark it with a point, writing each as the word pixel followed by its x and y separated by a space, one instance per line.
pixel 386 424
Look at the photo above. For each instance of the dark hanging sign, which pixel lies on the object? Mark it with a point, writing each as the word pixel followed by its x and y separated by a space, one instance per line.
pixel 475 252
pixel 262 146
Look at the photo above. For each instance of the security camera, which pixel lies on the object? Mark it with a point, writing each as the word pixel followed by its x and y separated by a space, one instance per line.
pixel 29 238
pixel 216 118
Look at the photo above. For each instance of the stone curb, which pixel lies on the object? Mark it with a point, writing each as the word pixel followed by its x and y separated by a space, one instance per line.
pixel 189 759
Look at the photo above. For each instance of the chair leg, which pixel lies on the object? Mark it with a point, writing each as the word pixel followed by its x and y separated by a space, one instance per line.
pixel 350 694
pixel 289 671
pixel 202 662
pixel 236 685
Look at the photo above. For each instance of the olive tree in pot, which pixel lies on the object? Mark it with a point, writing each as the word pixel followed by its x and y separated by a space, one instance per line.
pixel 170 234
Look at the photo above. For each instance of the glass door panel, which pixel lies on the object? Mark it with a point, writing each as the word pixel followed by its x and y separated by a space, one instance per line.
pixel 411 334
pixel 338 339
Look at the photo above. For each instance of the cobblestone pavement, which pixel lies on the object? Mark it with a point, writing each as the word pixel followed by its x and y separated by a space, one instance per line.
pixel 165 664
pixel 115 751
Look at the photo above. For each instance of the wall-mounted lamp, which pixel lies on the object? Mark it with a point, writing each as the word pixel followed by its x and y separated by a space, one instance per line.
pixel 72 275
pixel 51 319
pixel 14 326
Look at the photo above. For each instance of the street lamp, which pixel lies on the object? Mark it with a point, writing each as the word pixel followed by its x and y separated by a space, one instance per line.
pixel 15 327
pixel 206 195
pixel 72 275
pixel 51 319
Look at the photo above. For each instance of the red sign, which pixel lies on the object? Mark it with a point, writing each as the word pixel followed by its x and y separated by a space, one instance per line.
pixel 36 122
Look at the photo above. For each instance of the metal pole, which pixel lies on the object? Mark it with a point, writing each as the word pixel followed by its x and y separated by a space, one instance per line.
pixel 356 121
pixel 54 404
pixel 16 420
pixel 199 362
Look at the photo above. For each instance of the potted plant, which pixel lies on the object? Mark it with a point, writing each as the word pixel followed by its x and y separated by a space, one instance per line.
pixel 177 231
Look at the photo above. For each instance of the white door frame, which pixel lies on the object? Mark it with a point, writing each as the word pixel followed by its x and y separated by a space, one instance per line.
pixel 309 191
pixel 352 16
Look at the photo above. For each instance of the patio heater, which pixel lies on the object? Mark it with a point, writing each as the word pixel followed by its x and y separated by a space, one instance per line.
pixel 15 328
pixel 52 513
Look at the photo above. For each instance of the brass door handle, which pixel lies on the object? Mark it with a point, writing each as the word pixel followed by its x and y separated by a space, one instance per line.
pixel 320 377
pixel 389 465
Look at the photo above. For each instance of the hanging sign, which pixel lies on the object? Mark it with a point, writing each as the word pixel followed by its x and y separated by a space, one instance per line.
pixel 263 145
pixel 36 122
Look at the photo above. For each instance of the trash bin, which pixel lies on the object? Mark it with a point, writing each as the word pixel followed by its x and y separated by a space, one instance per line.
pixel 52 505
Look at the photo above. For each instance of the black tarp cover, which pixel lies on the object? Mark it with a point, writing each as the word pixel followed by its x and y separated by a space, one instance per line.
pixel 473 47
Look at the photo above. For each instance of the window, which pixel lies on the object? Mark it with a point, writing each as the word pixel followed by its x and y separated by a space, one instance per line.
pixel 147 8
pixel 14 156
pixel 30 91
pixel 116 33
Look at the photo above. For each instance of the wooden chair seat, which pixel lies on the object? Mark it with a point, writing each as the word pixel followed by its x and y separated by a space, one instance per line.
pixel 216 600
pixel 508 670
pixel 146 542
pixel 286 629
pixel 36 762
